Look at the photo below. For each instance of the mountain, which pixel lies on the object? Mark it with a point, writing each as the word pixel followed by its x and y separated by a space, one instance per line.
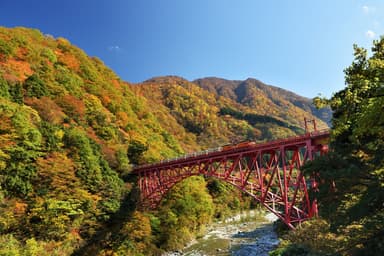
pixel 217 111
pixel 71 131
pixel 264 98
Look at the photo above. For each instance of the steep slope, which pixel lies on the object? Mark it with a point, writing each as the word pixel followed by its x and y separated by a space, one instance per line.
pixel 68 132
pixel 265 99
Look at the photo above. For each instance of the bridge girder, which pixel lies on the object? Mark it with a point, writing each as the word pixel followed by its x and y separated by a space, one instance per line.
pixel 269 172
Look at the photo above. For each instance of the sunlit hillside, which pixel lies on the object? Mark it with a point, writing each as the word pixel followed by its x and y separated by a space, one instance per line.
pixel 211 111
pixel 71 130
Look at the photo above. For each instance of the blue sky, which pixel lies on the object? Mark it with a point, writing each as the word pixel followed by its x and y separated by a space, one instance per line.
pixel 299 45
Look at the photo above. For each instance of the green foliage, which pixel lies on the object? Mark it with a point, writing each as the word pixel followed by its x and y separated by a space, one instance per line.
pixel 251 118
pixel 135 151
pixel 93 170
pixel 351 192
pixel 226 198
pixel 10 246
pixel 89 169
pixel 184 212
pixel 16 93
pixel 35 87
pixel 6 49
pixel 69 80
pixel 52 219
pixel 123 162
pixel 255 119
pixel 49 54
pixel 20 171
pixel 320 102
pixel 4 88
pixel 18 159
pixel 52 135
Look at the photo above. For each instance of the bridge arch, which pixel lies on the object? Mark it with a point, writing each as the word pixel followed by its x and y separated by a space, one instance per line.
pixel 269 172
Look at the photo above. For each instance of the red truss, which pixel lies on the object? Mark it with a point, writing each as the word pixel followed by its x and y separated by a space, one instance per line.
pixel 269 172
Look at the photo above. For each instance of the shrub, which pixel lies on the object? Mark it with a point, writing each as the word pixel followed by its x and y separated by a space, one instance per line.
pixel 35 87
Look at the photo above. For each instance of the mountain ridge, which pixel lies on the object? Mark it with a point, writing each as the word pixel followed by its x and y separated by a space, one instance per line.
pixel 245 92
pixel 236 90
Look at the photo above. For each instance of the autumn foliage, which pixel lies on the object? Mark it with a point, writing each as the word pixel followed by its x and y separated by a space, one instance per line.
pixel 71 131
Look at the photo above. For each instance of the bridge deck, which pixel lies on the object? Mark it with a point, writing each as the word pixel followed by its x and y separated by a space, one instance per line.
pixel 221 151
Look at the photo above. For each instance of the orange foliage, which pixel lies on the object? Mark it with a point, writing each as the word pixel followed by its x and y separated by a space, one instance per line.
pixel 21 52
pixel 122 119
pixel 69 60
pixel 57 171
pixel 7 133
pixel 72 106
pixel 20 208
pixel 105 100
pixel 6 125
pixel 21 69
pixel 75 232
pixel 116 83
pixel 47 108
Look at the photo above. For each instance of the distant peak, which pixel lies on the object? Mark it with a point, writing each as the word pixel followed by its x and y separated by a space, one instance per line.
pixel 166 79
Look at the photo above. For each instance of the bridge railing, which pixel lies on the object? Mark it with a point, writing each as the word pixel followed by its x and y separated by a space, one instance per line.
pixel 268 144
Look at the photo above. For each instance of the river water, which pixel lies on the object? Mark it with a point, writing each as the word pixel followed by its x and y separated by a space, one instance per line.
pixel 249 233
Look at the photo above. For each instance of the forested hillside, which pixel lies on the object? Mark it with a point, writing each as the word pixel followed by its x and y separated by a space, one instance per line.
pixel 265 99
pixel 71 131
pixel 216 118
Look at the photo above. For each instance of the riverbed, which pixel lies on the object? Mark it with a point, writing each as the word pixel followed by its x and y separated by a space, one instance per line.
pixel 249 233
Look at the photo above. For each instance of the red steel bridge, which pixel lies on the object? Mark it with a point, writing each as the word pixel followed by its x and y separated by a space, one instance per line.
pixel 269 172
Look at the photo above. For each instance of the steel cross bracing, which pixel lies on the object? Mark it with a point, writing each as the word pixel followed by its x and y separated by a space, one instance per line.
pixel 269 172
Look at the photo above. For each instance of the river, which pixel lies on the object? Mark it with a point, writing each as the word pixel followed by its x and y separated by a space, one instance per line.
pixel 249 233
